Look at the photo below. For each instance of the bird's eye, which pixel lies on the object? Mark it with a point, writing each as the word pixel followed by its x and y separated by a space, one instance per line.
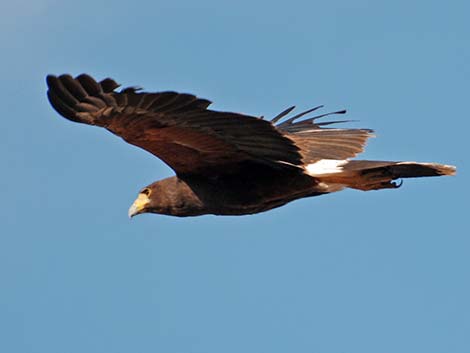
pixel 145 191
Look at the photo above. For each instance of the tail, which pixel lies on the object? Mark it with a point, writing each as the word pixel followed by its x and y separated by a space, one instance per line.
pixel 334 175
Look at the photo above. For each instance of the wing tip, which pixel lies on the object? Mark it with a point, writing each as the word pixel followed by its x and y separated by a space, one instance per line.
pixel 67 95
pixel 293 124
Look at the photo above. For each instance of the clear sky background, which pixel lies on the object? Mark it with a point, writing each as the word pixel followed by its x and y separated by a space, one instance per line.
pixel 372 272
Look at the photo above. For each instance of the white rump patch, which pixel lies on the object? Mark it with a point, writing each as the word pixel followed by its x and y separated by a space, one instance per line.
pixel 325 166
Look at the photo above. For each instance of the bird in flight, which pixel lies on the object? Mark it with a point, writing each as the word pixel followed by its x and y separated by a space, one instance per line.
pixel 228 163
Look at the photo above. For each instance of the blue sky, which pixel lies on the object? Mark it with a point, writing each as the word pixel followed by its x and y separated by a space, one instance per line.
pixel 350 272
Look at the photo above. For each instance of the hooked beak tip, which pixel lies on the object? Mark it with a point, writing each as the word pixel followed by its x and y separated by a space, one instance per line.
pixel 132 211
pixel 138 205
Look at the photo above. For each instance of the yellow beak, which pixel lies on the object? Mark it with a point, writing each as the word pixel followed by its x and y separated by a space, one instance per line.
pixel 139 204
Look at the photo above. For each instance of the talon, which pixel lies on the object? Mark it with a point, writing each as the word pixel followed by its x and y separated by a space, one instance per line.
pixel 399 184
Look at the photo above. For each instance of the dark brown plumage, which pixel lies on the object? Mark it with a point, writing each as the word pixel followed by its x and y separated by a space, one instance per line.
pixel 228 163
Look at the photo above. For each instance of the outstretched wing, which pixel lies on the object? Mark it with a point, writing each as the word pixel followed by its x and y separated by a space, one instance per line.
pixel 177 128
pixel 317 142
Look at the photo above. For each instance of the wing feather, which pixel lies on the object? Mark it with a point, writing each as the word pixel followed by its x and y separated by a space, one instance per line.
pixel 316 142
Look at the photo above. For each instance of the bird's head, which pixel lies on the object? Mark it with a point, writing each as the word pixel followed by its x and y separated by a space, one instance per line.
pixel 170 196
pixel 143 202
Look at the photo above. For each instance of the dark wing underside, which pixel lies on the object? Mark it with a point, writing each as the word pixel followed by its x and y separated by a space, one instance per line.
pixel 191 139
pixel 178 128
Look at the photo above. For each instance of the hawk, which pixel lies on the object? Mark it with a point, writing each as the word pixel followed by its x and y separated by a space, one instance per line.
pixel 228 163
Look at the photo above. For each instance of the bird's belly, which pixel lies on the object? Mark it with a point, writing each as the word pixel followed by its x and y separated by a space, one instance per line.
pixel 255 195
